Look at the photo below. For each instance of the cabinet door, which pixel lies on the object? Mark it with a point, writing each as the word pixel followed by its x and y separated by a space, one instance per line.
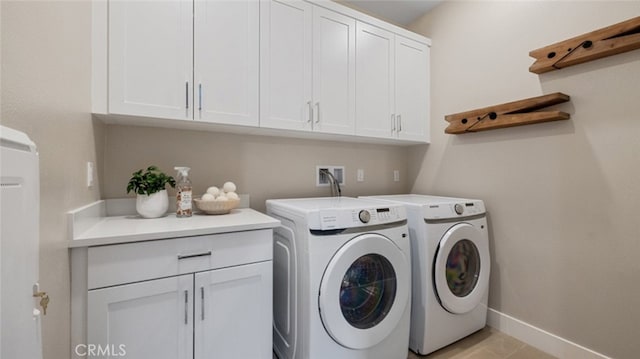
pixel 412 89
pixel 233 312
pixel 226 61
pixel 334 73
pixel 150 58
pixel 374 82
pixel 285 65
pixel 152 319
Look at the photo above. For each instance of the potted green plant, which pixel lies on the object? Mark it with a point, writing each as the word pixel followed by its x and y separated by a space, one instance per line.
pixel 152 200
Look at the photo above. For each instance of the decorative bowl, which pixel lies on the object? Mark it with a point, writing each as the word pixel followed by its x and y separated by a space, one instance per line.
pixel 216 207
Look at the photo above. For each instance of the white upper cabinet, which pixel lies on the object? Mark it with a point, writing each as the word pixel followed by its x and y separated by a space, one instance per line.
pixel 375 82
pixel 285 65
pixel 307 68
pixel 334 72
pixel 412 90
pixel 182 59
pixel 392 88
pixel 226 61
pixel 150 58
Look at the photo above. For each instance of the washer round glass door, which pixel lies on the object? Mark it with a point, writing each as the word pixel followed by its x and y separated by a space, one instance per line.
pixel 364 291
pixel 461 268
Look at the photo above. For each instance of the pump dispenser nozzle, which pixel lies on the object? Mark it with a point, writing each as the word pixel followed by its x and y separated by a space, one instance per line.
pixel 182 171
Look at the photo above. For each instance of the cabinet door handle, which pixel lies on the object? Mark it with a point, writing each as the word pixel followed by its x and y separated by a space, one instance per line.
pixel 393 123
pixel 310 120
pixel 199 97
pixel 317 112
pixel 194 255
pixel 399 123
pixel 186 92
pixel 186 307
pixel 201 303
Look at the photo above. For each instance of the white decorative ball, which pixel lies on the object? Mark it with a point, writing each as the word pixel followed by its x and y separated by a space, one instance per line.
pixel 208 197
pixel 232 195
pixel 213 190
pixel 229 187
pixel 222 198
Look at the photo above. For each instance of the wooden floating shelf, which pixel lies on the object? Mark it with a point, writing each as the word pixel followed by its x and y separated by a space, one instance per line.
pixel 608 41
pixel 509 114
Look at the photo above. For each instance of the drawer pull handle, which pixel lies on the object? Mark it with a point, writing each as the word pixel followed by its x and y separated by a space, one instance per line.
pixel 186 256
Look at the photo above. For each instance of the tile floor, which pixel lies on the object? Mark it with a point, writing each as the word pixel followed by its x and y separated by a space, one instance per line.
pixel 486 344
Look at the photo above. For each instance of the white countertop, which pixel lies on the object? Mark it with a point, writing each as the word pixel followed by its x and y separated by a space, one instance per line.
pixel 92 226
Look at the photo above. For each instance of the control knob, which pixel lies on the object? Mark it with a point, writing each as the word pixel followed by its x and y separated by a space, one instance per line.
pixel 458 208
pixel 365 216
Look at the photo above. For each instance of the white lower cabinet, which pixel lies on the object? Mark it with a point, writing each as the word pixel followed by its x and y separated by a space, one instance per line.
pixel 152 319
pixel 233 309
pixel 213 314
pixel 193 297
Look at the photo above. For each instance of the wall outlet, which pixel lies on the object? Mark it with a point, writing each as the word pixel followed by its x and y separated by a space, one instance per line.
pixel 322 179
pixel 396 176
pixel 360 175
pixel 90 170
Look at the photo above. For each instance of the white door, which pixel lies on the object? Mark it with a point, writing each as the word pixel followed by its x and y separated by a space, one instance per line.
pixel 233 312
pixel 152 319
pixel 285 65
pixel 375 116
pixel 226 61
pixel 461 268
pixel 334 76
pixel 364 291
pixel 150 58
pixel 20 326
pixel 412 89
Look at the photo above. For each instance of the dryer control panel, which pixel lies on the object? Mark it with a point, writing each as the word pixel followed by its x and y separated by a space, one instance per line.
pixel 464 208
pixel 349 218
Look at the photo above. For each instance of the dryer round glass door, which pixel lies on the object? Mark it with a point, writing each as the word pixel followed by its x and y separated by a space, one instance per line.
pixel 364 291
pixel 461 268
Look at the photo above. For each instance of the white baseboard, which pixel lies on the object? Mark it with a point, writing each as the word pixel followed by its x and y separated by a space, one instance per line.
pixel 538 338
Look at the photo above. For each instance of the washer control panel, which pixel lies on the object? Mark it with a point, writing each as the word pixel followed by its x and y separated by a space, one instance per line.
pixel 349 218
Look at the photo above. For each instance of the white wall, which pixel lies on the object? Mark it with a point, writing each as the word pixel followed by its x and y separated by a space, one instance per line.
pixel 562 197
pixel 46 74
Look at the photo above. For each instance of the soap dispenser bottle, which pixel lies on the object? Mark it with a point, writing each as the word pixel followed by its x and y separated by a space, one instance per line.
pixel 184 193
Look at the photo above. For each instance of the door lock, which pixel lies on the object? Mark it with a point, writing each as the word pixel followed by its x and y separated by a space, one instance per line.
pixel 44 300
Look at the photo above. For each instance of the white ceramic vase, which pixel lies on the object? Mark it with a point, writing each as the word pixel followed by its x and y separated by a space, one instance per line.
pixel 154 205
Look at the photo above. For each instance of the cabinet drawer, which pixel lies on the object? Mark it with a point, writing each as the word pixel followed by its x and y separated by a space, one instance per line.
pixel 132 262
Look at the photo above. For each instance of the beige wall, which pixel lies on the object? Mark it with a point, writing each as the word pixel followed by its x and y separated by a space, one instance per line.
pixel 46 63
pixel 562 197
pixel 264 167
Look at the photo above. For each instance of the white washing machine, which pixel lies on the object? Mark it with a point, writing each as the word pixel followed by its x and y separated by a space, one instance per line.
pixel 342 279
pixel 450 267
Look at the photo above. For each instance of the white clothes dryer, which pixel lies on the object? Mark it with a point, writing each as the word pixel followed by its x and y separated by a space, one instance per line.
pixel 450 268
pixel 342 279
